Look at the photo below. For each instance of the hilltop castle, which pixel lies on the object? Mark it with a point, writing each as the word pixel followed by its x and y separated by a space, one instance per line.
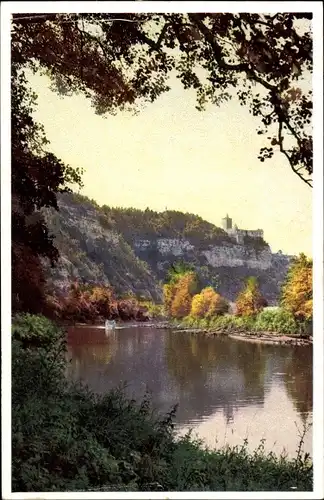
pixel 237 233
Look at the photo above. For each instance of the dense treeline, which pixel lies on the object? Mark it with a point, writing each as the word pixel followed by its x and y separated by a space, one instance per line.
pixel 93 303
pixel 183 300
pixel 134 223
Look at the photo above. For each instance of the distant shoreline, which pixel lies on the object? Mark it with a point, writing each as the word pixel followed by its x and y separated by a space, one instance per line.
pixel 259 338
pixel 273 339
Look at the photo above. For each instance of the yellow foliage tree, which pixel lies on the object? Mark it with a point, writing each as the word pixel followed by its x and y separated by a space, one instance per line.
pixel 297 292
pixel 208 303
pixel 198 306
pixel 179 295
pixel 168 296
pixel 102 298
pixel 181 303
pixel 250 301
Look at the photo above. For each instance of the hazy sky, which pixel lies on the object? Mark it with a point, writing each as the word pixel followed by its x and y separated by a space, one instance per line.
pixel 171 155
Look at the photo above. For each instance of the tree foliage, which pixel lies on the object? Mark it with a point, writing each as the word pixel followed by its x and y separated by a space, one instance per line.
pixel 181 303
pixel 207 304
pixel 297 291
pixel 177 270
pixel 37 176
pixel 250 301
pixel 134 223
pixel 90 303
pixel 119 59
pixel 178 293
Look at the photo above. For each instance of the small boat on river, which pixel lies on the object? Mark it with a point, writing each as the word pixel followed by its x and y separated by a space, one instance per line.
pixel 110 325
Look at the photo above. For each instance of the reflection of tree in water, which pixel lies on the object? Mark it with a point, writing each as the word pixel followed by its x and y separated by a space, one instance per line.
pixel 200 373
pixel 299 380
pixel 251 359
pixel 201 354
pixel 216 372
pixel 90 347
pixel 189 357
pixel 229 412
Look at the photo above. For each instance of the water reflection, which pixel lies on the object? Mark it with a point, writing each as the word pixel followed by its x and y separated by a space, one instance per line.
pixel 221 385
pixel 298 378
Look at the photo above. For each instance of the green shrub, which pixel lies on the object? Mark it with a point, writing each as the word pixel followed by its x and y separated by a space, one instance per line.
pixel 155 311
pixel 277 320
pixel 35 331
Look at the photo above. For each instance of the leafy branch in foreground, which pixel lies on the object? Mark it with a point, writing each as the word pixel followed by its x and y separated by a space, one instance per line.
pixel 117 60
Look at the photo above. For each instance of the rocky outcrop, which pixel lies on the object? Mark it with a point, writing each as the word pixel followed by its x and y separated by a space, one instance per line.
pixel 94 254
pixel 96 249
pixel 238 255
pixel 225 266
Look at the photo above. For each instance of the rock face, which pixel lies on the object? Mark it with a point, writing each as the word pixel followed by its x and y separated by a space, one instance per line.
pixel 94 252
pixel 225 266
pixel 236 256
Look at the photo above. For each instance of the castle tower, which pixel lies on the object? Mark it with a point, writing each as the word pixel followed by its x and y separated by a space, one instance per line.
pixel 227 223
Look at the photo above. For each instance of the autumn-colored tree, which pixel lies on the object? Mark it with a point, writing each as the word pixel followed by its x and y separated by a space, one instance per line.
pixel 250 301
pixel 103 299
pixel 168 296
pixel 179 294
pixel 90 303
pixel 182 302
pixel 208 303
pixel 297 291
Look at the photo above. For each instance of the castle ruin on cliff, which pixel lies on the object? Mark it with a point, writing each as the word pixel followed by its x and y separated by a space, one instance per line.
pixel 239 234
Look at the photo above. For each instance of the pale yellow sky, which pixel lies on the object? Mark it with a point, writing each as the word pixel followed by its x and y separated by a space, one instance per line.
pixel 171 155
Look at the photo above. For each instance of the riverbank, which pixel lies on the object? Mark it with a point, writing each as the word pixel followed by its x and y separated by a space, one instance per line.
pixel 275 327
pixel 265 338
pixel 66 438
pixel 258 337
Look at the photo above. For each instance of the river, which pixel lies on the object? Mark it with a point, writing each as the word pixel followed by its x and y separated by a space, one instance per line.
pixel 227 390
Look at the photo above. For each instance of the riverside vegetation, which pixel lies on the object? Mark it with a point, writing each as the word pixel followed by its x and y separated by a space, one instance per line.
pixel 65 438
pixel 207 310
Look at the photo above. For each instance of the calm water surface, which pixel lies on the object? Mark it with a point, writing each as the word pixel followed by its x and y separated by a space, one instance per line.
pixel 227 390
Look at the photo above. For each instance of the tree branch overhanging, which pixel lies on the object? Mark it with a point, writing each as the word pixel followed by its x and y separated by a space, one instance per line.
pixel 284 151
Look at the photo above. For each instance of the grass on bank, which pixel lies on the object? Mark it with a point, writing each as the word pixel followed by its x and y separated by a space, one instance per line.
pixel 66 438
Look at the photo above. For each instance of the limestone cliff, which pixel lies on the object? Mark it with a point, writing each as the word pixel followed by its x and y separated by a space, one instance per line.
pixel 224 266
pixel 133 250
pixel 94 254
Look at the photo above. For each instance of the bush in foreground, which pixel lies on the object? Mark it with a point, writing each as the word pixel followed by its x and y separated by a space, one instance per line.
pixel 65 438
